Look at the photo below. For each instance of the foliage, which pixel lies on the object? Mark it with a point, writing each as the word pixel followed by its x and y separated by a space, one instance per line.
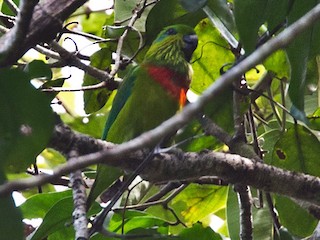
pixel 289 138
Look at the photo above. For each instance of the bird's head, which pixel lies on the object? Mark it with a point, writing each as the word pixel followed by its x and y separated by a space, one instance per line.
pixel 173 46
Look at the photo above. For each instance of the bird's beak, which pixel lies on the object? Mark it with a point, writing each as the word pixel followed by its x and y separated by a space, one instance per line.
pixel 190 44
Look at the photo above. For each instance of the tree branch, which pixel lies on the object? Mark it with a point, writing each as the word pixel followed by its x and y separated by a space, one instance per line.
pixel 10 43
pixel 46 22
pixel 72 60
pixel 174 166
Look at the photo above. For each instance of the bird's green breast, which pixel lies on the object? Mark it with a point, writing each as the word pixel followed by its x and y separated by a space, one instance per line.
pixel 148 105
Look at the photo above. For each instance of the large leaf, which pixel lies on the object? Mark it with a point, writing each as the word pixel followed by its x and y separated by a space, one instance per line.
pixel 5 9
pixel 11 219
pixel 276 12
pixel 92 125
pixel 278 63
pixel 11 225
pixel 38 205
pixel 170 12
pixel 94 100
pixel 193 5
pixel 298 149
pixel 296 219
pixel 131 221
pixel 197 231
pixel 314 119
pixel 108 176
pixel 262 222
pixel 299 52
pixel 26 120
pixel 38 69
pixel 131 44
pixel 249 16
pixel 269 139
pixel 55 219
pixel 94 22
pixel 200 201
pixel 123 11
pixel 210 56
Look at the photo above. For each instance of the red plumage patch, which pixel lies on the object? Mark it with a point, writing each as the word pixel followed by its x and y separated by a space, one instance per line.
pixel 176 84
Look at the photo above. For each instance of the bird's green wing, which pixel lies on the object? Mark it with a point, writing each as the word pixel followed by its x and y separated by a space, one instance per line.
pixel 107 175
pixel 120 99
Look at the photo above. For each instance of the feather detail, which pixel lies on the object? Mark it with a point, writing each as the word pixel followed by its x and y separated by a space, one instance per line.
pixel 183 97
pixel 174 83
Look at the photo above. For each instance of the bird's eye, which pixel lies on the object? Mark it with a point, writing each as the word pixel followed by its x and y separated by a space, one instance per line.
pixel 171 31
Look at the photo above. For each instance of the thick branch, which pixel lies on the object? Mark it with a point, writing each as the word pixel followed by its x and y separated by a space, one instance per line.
pixel 46 22
pixel 175 166
pixel 10 43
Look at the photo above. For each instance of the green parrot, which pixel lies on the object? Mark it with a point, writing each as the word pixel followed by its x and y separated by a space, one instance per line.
pixel 151 92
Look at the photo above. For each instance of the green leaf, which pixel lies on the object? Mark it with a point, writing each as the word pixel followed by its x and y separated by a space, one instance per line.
pixel 92 125
pixel 276 12
pixel 314 120
pixel 95 99
pixel 262 222
pixel 123 11
pixel 193 5
pixel 55 219
pixel 133 220
pixel 197 231
pixel 196 141
pixel 284 234
pixel 295 218
pixel 130 45
pixel 278 63
pixel 269 139
pixel 66 233
pixel 200 201
pixel 6 10
pixel 299 52
pixel 94 22
pixel 38 205
pixel 149 234
pixel 298 149
pixel 161 212
pixel 170 12
pixel 38 69
pixel 11 225
pixel 221 8
pixel 210 56
pixel 233 213
pixel 108 176
pixel 27 120
pixel 53 83
pixel 220 16
pixel 249 16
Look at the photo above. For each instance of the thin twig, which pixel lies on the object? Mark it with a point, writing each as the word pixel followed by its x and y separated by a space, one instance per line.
pixel 133 19
pixel 47 52
pixel 274 110
pixel 83 88
pixel 73 60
